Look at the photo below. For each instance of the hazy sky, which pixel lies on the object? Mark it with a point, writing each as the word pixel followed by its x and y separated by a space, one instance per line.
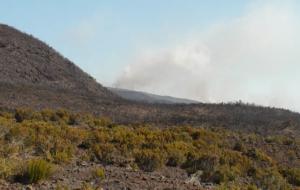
pixel 209 50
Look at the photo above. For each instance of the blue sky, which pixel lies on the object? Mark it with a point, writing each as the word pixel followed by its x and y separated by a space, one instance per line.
pixel 113 30
pixel 209 50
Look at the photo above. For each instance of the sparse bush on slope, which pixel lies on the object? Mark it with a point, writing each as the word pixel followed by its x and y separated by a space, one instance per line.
pixel 149 160
pixel 36 170
pixel 223 157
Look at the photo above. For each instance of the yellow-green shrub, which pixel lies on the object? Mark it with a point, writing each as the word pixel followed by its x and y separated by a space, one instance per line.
pixel 271 179
pixel 176 153
pixel 7 168
pixel 36 170
pixel 149 159
pixel 205 162
pixel 99 173
pixel 224 156
pixel 105 152
pixel 292 175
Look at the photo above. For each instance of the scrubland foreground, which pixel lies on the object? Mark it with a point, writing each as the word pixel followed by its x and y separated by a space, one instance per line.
pixel 56 149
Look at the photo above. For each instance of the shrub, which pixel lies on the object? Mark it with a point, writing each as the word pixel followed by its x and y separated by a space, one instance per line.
pixel 260 156
pixel 252 187
pixel 292 175
pixel 36 170
pixel 177 153
pixel 291 155
pixel 62 151
pixel 239 147
pixel 87 186
pixel 99 173
pixel 54 117
pixel 196 135
pixel 62 187
pixel 284 140
pixel 271 179
pixel 6 115
pixel 175 158
pixel 207 163
pixel 236 161
pixel 105 152
pixel 61 116
pixel 74 119
pixel 61 157
pixel 6 168
pixel 272 139
pixel 22 114
pixel 149 160
pixel 223 174
pixel 287 141
pixel 102 122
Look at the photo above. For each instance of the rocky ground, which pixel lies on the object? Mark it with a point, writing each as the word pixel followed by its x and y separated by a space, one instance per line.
pixel 79 176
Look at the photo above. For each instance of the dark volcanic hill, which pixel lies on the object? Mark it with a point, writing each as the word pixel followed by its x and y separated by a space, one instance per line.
pixel 34 75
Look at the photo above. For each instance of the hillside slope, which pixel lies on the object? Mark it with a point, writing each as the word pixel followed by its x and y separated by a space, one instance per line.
pixel 34 75
pixel 29 62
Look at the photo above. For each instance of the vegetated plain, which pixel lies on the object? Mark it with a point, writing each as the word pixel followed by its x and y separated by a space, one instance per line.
pixel 58 149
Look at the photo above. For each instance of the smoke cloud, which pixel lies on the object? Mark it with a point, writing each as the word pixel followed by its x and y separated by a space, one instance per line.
pixel 254 58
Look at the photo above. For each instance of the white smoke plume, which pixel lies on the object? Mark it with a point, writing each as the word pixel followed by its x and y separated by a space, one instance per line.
pixel 254 58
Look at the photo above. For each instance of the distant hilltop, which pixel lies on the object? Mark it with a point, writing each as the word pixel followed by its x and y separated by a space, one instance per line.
pixel 149 98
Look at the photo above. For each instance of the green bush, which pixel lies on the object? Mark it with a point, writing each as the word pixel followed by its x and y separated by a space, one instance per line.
pixel 292 175
pixel 99 173
pixel 223 174
pixel 61 152
pixel 252 187
pixel 73 120
pixel 175 158
pixel 239 146
pixel 149 160
pixel 105 152
pixel 61 157
pixel 271 179
pixel 36 170
pixel 207 163
pixel 259 155
pixel 6 168
pixel 176 153
pixel 22 114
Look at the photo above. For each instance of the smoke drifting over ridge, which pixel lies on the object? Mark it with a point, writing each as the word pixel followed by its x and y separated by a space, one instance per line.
pixel 254 58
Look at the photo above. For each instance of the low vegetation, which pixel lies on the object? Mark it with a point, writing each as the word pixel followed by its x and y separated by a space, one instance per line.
pixel 34 170
pixel 99 173
pixel 230 160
